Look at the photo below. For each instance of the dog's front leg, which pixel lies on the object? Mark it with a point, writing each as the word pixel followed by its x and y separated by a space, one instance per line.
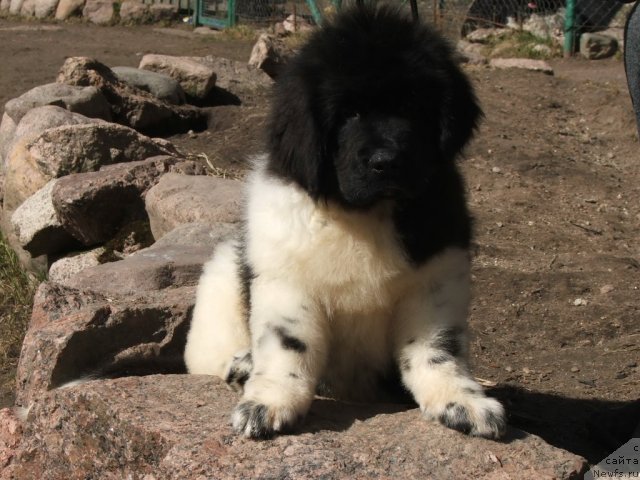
pixel 289 352
pixel 431 349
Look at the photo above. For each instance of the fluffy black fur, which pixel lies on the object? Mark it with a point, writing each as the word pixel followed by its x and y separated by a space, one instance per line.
pixel 384 118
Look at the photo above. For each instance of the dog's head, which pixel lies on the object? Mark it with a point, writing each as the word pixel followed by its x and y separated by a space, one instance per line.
pixel 372 106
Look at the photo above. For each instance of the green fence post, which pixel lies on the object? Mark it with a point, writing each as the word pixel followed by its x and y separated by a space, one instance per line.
pixel 570 29
pixel 315 12
pixel 231 12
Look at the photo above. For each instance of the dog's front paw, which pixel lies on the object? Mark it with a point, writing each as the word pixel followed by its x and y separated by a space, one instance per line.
pixel 256 420
pixel 473 414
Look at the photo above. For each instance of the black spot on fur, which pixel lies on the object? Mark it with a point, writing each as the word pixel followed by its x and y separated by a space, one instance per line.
pixel 290 342
pixel 246 275
pixel 449 341
pixel 456 416
pixel 411 341
pixel 240 371
pixel 294 375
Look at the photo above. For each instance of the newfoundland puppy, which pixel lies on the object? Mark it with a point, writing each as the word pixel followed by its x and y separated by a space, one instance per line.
pixel 352 266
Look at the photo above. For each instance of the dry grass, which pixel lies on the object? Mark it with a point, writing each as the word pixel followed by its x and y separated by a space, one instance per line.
pixel 16 296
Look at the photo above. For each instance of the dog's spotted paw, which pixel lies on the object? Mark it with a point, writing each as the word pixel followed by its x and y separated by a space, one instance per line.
pixel 258 421
pixel 475 415
pixel 239 370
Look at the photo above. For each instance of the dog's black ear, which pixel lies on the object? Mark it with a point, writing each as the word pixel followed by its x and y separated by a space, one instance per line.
pixel 459 114
pixel 295 139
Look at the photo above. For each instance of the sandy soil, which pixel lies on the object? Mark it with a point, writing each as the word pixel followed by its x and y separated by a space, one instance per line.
pixel 554 185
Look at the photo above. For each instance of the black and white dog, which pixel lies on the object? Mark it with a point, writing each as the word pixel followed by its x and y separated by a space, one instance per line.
pixel 353 262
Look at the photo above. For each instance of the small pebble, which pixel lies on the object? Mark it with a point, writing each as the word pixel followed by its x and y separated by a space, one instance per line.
pixel 579 302
pixel 509 369
pixel 496 169
pixel 606 289
pixel 575 369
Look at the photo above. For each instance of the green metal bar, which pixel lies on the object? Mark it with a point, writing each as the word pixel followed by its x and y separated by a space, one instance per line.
pixel 570 29
pixel 315 12
pixel 231 13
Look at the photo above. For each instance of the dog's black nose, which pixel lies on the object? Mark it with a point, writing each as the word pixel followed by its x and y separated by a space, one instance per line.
pixel 383 161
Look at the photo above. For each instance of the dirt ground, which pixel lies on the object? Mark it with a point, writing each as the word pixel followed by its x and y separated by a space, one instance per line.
pixel 554 185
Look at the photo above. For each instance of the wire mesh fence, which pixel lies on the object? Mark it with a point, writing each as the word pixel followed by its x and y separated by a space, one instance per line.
pixel 455 18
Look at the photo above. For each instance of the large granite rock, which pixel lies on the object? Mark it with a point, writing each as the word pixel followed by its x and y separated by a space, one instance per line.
pixel 93 206
pixel 45 8
pixel 100 12
pixel 60 151
pixel 131 106
pixel 157 84
pixel 74 333
pixel 177 426
pixel 7 131
pixel 38 227
pixel 196 79
pixel 87 101
pixel 270 54
pixel 67 8
pixel 595 46
pixel 39 119
pixel 180 199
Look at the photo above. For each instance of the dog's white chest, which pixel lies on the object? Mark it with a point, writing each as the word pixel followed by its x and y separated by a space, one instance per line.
pixel 349 262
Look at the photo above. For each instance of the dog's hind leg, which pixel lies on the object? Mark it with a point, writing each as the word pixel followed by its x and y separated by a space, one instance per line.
pixel 219 327
pixel 431 348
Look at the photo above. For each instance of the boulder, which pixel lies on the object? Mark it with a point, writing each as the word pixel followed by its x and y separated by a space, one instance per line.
pixel 594 46
pixel 87 101
pixel 74 333
pixel 5 5
pixel 177 426
pixel 39 119
pixel 100 12
pixel 269 54
pixel 133 12
pixel 22 178
pixel 196 79
pixel 37 226
pixel 522 63
pixel 93 206
pixel 67 8
pixel 70 149
pixel 15 6
pixel 159 85
pixel 179 199
pixel 7 130
pixel 45 8
pixel 65 268
pixel 149 270
pixel 28 8
pixel 132 106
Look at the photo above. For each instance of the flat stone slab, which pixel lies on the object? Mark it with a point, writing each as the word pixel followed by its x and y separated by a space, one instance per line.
pixel 177 426
pixel 523 64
